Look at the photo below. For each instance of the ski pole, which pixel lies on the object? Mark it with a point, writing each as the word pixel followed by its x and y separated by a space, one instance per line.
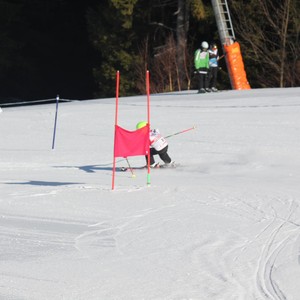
pixel 131 170
pixel 221 57
pixel 179 132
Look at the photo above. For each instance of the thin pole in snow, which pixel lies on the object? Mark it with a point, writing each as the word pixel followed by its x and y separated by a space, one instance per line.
pixel 55 122
pixel 131 170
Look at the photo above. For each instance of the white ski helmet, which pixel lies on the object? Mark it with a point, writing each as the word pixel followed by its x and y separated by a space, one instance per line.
pixel 204 45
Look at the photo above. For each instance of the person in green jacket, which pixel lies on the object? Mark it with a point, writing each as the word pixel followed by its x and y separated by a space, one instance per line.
pixel 201 62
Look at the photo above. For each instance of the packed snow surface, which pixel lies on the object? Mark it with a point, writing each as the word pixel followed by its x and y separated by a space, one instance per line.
pixel 225 224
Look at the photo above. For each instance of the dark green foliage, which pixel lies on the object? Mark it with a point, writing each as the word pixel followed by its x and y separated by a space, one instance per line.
pixel 113 37
pixel 137 38
pixel 74 48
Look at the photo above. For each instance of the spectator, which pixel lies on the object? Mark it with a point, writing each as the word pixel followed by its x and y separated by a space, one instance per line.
pixel 213 67
pixel 201 62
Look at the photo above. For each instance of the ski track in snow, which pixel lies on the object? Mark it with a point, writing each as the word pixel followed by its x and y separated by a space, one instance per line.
pixel 279 232
pixel 272 249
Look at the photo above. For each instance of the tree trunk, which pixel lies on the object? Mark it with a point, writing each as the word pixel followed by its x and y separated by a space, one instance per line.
pixel 181 32
pixel 286 10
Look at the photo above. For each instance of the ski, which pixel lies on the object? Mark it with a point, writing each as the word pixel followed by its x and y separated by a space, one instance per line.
pixel 164 166
pixel 169 166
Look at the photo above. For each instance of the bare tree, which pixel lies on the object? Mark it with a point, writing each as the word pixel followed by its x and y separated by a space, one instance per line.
pixel 170 60
pixel 142 65
pixel 162 66
pixel 165 66
pixel 182 26
pixel 267 29
pixel 181 11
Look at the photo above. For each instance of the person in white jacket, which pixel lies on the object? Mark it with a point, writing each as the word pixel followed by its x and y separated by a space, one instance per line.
pixel 213 67
pixel 158 146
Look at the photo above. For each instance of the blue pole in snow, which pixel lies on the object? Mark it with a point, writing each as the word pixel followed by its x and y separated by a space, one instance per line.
pixel 55 121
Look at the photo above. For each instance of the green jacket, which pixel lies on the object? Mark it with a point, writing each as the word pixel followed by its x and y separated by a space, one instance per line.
pixel 201 59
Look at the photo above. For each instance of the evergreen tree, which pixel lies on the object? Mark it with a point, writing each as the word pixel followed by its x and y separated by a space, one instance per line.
pixel 143 35
pixel 113 37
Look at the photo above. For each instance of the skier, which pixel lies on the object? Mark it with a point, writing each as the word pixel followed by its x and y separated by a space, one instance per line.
pixel 213 66
pixel 158 146
pixel 201 62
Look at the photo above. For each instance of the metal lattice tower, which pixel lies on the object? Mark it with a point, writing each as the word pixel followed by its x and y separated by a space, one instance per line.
pixel 223 20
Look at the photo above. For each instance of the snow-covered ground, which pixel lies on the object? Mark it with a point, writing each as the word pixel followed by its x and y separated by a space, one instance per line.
pixel 225 224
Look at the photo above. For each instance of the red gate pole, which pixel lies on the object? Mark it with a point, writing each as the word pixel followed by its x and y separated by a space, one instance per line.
pixel 148 117
pixel 116 123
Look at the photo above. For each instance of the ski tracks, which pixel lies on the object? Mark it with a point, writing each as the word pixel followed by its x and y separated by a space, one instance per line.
pixel 261 259
pixel 282 234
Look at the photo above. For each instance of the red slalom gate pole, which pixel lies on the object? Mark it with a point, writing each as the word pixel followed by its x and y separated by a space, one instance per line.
pixel 116 123
pixel 148 117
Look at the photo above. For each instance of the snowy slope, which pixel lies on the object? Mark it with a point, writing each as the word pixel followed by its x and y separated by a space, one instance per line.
pixel 223 225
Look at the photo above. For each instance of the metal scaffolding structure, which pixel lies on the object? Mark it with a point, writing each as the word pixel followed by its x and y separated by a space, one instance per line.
pixel 231 47
pixel 224 22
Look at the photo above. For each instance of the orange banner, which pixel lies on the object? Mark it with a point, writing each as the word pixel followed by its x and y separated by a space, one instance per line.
pixel 236 67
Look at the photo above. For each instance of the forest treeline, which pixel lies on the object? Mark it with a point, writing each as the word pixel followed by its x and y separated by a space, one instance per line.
pixel 74 48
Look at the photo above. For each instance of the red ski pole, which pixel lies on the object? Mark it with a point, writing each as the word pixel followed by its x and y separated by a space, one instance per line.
pixel 179 132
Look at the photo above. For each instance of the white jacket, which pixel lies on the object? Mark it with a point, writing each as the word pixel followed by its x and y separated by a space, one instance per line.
pixel 157 141
pixel 213 58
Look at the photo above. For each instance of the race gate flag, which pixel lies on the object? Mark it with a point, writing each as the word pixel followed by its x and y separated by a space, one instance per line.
pixel 131 143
